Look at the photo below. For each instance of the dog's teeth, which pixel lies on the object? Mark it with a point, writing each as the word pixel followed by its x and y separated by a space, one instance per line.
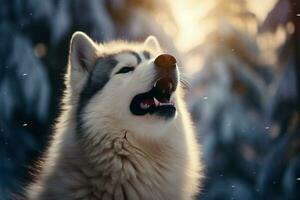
pixel 166 104
pixel 144 106
pixel 156 102
pixel 170 86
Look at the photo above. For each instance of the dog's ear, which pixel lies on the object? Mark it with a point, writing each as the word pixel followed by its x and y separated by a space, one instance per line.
pixel 82 58
pixel 152 42
pixel 82 52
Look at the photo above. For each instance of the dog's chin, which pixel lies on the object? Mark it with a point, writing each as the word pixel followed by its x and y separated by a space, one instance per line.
pixel 157 102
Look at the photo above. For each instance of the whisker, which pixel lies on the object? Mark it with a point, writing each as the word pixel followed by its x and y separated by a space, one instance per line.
pixel 185 84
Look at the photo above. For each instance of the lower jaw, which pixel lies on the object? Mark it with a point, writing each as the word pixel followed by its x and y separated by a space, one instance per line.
pixel 166 112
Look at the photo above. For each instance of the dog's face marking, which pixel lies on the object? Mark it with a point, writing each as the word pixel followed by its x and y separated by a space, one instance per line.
pixel 97 78
pixel 104 66
pixel 146 55
pixel 130 53
pixel 108 81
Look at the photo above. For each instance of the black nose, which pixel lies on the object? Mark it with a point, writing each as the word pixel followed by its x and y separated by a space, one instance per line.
pixel 166 73
pixel 165 61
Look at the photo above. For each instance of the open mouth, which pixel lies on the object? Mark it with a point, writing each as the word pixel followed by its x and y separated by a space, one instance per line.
pixel 156 101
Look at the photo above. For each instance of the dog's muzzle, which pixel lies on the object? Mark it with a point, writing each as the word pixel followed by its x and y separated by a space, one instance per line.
pixel 158 100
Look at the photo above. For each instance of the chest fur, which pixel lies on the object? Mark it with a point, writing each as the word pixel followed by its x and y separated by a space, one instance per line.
pixel 120 169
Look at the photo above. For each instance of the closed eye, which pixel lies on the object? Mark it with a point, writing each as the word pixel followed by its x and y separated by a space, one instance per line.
pixel 125 70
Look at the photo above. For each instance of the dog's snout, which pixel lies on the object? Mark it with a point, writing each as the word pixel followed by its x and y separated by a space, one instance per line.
pixel 166 73
pixel 165 61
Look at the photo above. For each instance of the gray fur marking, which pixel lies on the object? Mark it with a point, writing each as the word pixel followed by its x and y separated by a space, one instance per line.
pixel 97 79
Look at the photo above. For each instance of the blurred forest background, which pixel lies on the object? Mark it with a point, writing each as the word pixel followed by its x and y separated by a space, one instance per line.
pixel 241 58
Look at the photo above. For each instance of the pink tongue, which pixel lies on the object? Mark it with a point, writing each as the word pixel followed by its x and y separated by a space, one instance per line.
pixel 148 101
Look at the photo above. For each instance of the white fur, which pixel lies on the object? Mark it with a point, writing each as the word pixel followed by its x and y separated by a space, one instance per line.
pixel 120 155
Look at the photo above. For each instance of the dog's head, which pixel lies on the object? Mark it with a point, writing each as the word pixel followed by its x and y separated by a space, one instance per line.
pixel 132 85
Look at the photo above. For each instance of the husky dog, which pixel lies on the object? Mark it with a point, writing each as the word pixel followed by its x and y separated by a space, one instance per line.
pixel 125 132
